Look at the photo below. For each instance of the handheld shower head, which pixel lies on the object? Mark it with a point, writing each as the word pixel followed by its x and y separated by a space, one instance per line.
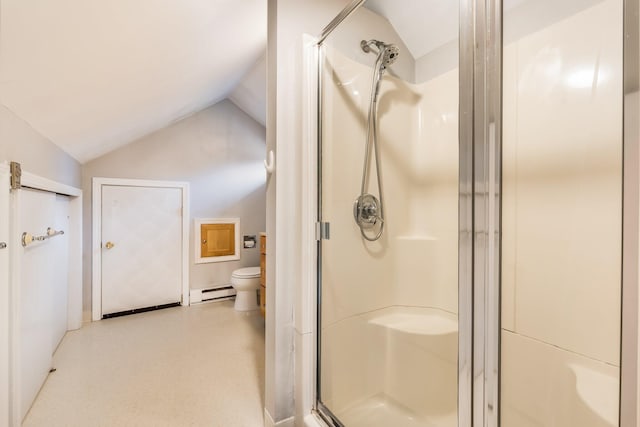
pixel 368 210
pixel 388 52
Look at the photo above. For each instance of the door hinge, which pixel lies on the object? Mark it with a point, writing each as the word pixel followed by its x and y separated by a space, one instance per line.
pixel 16 175
pixel 323 231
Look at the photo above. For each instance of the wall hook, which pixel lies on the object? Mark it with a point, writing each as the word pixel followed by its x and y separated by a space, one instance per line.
pixel 270 163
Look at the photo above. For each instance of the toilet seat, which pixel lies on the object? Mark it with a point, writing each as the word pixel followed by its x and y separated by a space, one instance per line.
pixel 246 273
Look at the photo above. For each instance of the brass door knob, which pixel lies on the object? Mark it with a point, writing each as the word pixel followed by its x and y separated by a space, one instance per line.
pixel 109 245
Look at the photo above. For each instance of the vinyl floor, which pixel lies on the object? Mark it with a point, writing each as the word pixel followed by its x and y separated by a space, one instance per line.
pixel 184 366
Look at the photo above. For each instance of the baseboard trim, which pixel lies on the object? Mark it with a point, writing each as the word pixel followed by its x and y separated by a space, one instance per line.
pixel 268 421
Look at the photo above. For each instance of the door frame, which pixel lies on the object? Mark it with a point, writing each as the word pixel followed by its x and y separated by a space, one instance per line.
pixel 96 239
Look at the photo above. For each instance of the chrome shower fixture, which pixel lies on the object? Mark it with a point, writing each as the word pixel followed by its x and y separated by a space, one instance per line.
pixel 388 53
pixel 366 45
pixel 368 210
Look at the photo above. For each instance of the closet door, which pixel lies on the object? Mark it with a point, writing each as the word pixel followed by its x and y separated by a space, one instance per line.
pixel 4 295
pixel 60 273
pixel 36 212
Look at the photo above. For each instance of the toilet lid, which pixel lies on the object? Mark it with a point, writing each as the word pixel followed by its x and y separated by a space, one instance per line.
pixel 247 272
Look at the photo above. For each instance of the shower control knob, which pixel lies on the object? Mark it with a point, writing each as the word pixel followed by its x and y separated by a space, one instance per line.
pixel 370 210
pixel 366 211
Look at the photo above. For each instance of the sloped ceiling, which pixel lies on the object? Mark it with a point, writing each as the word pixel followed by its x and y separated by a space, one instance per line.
pixel 251 93
pixel 94 75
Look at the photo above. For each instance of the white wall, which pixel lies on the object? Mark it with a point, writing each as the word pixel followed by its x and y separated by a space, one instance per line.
pixel 21 143
pixel 219 151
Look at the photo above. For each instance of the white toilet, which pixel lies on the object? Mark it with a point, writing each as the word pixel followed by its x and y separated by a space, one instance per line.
pixel 246 282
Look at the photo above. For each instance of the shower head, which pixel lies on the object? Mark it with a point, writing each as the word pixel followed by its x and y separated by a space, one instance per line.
pixel 388 52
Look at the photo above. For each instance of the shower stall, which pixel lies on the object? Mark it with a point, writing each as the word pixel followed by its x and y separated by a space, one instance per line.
pixel 470 270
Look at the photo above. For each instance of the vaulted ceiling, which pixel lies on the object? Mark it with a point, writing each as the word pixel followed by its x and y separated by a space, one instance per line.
pixel 93 75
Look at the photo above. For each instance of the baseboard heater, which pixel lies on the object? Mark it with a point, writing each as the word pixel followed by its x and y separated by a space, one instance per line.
pixel 213 293
pixel 140 310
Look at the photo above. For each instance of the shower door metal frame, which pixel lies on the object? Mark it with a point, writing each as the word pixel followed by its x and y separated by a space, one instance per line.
pixel 629 369
pixel 479 255
pixel 319 407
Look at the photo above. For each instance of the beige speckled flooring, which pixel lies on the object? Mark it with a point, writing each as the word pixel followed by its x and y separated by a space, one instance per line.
pixel 184 366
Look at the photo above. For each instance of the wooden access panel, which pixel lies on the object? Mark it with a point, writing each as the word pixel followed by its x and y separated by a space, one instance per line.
pixel 217 240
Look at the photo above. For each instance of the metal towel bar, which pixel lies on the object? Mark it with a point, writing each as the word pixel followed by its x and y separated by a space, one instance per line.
pixel 28 238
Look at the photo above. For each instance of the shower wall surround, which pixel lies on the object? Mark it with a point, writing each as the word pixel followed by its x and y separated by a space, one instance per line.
pixel 410 274
pixel 419 145
pixel 561 253
pixel 561 228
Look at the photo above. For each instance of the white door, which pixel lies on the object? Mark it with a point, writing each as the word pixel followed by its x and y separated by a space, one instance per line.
pixel 60 273
pixel 4 295
pixel 35 316
pixel 141 247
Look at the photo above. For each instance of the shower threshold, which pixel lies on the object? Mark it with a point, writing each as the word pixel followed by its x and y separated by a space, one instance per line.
pixel 381 411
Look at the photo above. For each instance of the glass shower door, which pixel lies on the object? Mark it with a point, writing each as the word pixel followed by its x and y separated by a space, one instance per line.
pixel 388 155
